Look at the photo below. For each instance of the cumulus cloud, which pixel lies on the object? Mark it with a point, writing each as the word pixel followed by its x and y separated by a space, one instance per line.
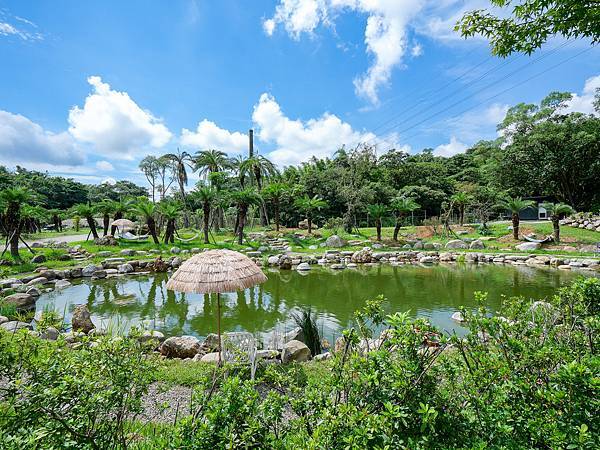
pixel 209 135
pixel 24 141
pixel 296 140
pixel 416 50
pixel 451 148
pixel 114 124
pixel 585 102
pixel 385 32
pixel 105 166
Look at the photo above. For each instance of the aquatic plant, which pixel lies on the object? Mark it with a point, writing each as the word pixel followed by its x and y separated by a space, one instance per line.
pixel 307 322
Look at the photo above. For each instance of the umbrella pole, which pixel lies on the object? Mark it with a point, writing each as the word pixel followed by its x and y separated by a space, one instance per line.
pixel 219 325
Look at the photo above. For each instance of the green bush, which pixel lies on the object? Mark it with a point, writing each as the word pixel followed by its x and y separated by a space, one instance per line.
pixel 57 397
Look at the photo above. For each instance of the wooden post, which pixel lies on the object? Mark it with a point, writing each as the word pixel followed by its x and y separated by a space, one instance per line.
pixel 250 143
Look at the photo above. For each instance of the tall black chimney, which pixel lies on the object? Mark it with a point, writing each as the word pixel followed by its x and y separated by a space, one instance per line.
pixel 251 143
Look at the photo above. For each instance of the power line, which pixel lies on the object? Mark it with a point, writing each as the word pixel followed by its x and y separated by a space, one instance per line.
pixel 499 93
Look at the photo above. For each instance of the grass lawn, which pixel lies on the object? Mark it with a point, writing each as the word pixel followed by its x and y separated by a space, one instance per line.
pixel 498 240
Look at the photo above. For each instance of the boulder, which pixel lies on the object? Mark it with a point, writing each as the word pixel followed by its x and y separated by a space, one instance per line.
pixel 303 266
pixel 127 252
pixel 3 319
pixel 273 260
pixel 149 335
pixel 38 259
pixel 20 301
pixel 125 268
pixel 104 254
pixel 175 250
pixel 38 280
pixel 323 356
pixel 61 284
pixel 528 246
pixel 458 317
pixel 89 270
pixel 15 325
pixel 50 334
pixel 295 351
pixel 180 347
pixel 77 272
pixel 106 240
pixel 335 241
pixel 363 256
pixel 456 243
pixel 477 244
pixel 101 273
pixel 81 319
pixel 212 358
pixel 33 291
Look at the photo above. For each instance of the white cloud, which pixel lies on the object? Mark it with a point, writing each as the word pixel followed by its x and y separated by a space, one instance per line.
pixel 296 141
pixel 416 50
pixel 208 135
pixel 24 141
pixel 105 166
pixel 114 124
pixel 451 148
pixel 476 124
pixel 110 181
pixel 385 32
pixel 26 30
pixel 585 102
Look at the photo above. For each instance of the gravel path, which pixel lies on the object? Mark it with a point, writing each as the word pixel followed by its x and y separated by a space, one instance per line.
pixel 164 403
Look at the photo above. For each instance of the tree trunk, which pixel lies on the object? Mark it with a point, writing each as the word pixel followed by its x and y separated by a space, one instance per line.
pixel 309 220
pixel 106 221
pixel 92 224
pixel 152 229
pixel 556 226
pixel 14 229
pixel 113 229
pixel 397 227
pixel 206 221
pixel 378 225
pixel 242 221
pixel 277 215
pixel 462 215
pixel 515 224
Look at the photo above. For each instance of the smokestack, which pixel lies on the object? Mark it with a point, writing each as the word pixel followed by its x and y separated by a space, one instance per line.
pixel 251 143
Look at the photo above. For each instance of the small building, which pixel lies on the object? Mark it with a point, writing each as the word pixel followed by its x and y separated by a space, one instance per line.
pixel 536 212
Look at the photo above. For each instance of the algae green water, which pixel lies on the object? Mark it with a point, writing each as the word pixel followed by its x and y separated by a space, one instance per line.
pixel 434 292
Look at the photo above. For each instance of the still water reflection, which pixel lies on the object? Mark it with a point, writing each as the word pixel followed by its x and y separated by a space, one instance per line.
pixel 434 292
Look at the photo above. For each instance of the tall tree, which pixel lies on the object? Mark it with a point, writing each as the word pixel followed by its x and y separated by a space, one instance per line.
pixel 181 161
pixel 309 205
pixel 106 208
pixel 150 167
pixel 402 206
pixel 515 205
pixel 170 211
pixel 259 168
pixel 243 199
pixel 557 211
pixel 378 212
pixel 12 201
pixel 210 161
pixel 120 208
pixel 275 193
pixel 207 196
pixel 529 23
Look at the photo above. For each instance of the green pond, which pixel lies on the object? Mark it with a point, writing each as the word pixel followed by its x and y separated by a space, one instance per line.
pixel 434 292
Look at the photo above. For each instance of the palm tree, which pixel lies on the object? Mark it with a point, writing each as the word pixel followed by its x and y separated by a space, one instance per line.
pixel 206 196
pixel 87 212
pixel 275 193
pixel 259 168
pixel 378 211
pixel 556 211
pixel 210 161
pixel 180 161
pixel 402 206
pixel 105 207
pixel 461 199
pixel 237 164
pixel 148 211
pixel 170 211
pixel 515 205
pixel 12 200
pixel 309 205
pixel 243 199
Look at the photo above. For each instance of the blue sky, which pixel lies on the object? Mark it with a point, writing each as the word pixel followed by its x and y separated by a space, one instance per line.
pixel 88 88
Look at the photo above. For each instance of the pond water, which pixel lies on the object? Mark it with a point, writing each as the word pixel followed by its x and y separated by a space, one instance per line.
pixel 434 292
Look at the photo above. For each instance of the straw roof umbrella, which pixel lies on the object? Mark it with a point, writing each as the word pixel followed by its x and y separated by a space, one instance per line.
pixel 123 224
pixel 216 272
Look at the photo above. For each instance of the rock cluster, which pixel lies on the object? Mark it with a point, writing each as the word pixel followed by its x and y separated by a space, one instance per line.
pixel 583 221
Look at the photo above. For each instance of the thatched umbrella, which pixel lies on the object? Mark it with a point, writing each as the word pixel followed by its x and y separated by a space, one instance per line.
pixel 123 224
pixel 216 272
